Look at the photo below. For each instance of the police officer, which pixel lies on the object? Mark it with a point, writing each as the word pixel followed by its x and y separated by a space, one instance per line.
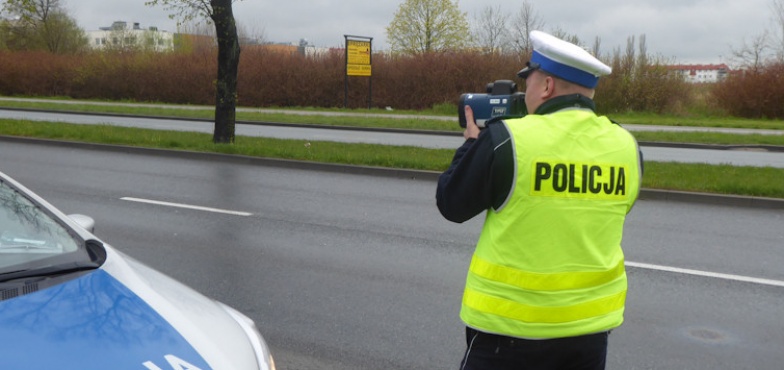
pixel 546 283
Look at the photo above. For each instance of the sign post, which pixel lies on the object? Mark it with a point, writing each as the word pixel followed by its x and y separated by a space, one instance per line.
pixel 358 63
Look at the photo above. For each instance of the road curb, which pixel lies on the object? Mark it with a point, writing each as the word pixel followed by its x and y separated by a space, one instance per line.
pixel 645 194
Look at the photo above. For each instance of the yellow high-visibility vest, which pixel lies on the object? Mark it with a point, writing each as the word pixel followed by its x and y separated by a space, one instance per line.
pixel 549 263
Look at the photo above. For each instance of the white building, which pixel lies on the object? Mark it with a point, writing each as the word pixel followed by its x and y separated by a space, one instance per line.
pixel 120 36
pixel 702 73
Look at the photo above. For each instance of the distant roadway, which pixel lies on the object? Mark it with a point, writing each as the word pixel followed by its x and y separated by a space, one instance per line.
pixel 752 156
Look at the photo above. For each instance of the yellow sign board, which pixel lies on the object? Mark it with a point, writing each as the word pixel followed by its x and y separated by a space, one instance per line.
pixel 358 58
pixel 358 70
pixel 358 52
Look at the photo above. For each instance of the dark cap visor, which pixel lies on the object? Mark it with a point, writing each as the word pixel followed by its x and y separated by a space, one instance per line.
pixel 529 68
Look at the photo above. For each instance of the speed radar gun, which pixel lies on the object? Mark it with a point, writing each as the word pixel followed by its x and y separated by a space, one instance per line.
pixel 501 101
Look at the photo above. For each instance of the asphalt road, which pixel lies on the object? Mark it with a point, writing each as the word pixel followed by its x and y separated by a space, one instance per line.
pixel 346 271
pixel 685 155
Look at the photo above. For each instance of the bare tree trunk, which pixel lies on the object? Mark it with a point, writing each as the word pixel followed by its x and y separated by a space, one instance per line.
pixel 228 67
pixel 778 17
pixel 492 34
pixel 525 21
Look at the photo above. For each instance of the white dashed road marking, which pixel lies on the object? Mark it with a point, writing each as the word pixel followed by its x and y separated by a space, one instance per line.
pixel 188 206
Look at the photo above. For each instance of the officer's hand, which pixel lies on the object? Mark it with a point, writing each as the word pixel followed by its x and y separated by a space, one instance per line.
pixel 471 130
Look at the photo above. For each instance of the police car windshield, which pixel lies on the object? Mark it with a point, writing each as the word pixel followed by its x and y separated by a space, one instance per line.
pixel 31 238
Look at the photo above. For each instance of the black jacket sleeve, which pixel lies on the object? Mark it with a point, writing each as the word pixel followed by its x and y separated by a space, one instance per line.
pixel 480 176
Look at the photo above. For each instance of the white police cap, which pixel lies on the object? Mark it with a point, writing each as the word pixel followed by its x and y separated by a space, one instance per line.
pixel 564 60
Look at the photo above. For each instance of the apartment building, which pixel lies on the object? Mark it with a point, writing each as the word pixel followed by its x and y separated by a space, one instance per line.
pixel 121 35
pixel 702 73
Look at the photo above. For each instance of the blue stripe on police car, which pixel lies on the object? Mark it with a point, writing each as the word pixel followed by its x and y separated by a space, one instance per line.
pixel 94 321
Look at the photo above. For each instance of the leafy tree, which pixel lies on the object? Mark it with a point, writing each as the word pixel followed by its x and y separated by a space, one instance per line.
pixel 423 26
pixel 219 13
pixel 41 24
pixel 63 34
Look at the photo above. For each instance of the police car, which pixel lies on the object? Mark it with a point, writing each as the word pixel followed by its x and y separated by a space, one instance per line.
pixel 70 301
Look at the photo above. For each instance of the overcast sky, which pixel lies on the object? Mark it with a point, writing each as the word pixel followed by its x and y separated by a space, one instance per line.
pixel 685 31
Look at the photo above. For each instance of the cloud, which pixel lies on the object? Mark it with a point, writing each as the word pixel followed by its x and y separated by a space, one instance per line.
pixel 686 30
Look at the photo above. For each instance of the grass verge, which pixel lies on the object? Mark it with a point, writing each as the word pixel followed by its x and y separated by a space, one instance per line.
pixel 722 179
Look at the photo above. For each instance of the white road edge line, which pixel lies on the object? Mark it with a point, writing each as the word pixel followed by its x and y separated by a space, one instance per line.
pixel 716 275
pixel 628 263
pixel 188 206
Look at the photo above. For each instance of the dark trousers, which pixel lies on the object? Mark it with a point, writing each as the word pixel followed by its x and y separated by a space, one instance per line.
pixel 496 352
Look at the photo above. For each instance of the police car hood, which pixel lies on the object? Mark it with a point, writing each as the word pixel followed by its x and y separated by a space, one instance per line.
pixel 124 315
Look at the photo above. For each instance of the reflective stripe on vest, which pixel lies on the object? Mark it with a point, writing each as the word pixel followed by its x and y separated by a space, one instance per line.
pixel 549 263
pixel 529 313
pixel 540 281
